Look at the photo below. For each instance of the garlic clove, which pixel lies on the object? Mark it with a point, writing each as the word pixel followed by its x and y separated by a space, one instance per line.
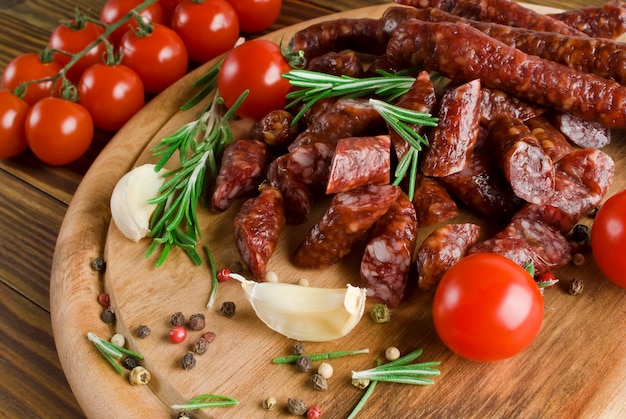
pixel 130 209
pixel 305 313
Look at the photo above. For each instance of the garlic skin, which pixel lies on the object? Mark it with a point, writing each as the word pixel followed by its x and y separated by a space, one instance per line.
pixel 129 201
pixel 305 313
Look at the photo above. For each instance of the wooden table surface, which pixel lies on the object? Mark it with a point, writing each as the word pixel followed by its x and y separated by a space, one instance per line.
pixel 33 201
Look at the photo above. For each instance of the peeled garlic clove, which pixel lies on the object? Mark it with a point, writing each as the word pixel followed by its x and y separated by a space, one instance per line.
pixel 129 201
pixel 305 313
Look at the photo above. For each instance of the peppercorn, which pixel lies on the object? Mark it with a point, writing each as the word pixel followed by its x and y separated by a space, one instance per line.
pixel 303 363
pixel 380 313
pixel 314 412
pixel 269 403
pixel 296 406
pixel 318 382
pixel 392 353
pixel 188 361
pixel 271 276
pixel 580 233
pixel 98 264
pixel 177 319
pixel 201 346
pixel 325 370
pixel 298 348
pixel 118 340
pixel 196 321
pixel 228 309
pixel 130 362
pixel 183 415
pixel 104 300
pixel 360 383
pixel 143 331
pixel 578 259
pixel 139 376
pixel 108 316
pixel 236 267
pixel 575 286
pixel 209 336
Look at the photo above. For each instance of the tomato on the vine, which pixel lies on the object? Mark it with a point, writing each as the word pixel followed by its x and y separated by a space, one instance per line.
pixel 13 111
pixel 114 10
pixel 256 15
pixel 58 131
pixel 159 57
pixel 73 37
pixel 111 93
pixel 257 66
pixel 208 27
pixel 29 67
pixel 487 308
pixel 608 238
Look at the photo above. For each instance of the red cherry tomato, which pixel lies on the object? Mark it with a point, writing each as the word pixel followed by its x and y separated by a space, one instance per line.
pixel 256 15
pixel 13 111
pixel 58 131
pixel 160 49
pixel 608 238
pixel 29 67
pixel 168 7
pixel 264 80
pixel 114 10
pixel 112 94
pixel 178 334
pixel 74 38
pixel 208 27
pixel 487 308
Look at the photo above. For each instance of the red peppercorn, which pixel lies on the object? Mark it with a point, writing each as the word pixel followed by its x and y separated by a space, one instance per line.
pixel 223 275
pixel 104 300
pixel 314 412
pixel 546 278
pixel 178 334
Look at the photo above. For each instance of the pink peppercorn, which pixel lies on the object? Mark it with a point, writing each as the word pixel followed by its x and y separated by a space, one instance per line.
pixel 314 412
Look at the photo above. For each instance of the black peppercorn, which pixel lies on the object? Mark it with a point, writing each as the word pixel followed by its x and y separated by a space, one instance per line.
pixel 228 309
pixel 303 363
pixel 196 321
pixel 188 361
pixel 143 331
pixel 201 346
pixel 130 362
pixel 108 316
pixel 298 348
pixel 296 406
pixel 183 415
pixel 580 233
pixel 575 286
pixel 318 382
pixel 236 267
pixel 177 319
pixel 98 264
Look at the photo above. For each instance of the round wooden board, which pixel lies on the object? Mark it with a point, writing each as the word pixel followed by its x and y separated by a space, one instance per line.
pixel 576 367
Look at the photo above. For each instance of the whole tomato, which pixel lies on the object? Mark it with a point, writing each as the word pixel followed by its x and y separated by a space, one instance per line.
pixel 58 131
pixel 114 10
pixel 111 93
pixel 608 238
pixel 487 308
pixel 13 111
pixel 168 7
pixel 29 67
pixel 257 66
pixel 74 37
pixel 160 48
pixel 208 27
pixel 256 15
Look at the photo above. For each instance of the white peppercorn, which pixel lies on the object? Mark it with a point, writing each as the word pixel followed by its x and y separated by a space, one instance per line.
pixel 325 370
pixel 118 339
pixel 392 353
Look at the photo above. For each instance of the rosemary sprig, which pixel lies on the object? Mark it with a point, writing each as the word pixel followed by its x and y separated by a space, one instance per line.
pixel 313 86
pixel 365 397
pixel 111 351
pixel 199 145
pixel 288 359
pixel 214 281
pixel 204 401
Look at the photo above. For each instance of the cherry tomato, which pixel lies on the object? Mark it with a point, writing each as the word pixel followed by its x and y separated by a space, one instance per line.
pixel 178 334
pixel 114 10
pixel 608 238
pixel 74 38
pixel 208 27
pixel 168 7
pixel 256 15
pixel 264 78
pixel 58 131
pixel 487 308
pixel 29 67
pixel 13 111
pixel 112 94
pixel 160 49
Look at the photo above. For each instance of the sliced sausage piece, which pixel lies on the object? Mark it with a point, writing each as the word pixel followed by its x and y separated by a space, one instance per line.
pixel 359 161
pixel 346 220
pixel 310 164
pixel 606 21
pixel 296 195
pixel 495 102
pixel 433 204
pixel 275 129
pixel 454 138
pixel 521 157
pixel 551 139
pixel 257 227
pixel 444 247
pixel 582 133
pixel 242 170
pixel 388 255
pixel 593 167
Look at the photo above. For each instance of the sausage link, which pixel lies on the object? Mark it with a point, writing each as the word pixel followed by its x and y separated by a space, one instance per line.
pixel 275 129
pixel 433 204
pixel 583 133
pixel 551 139
pixel 343 63
pixel 495 102
pixel 296 195
pixel 461 52
pixel 606 21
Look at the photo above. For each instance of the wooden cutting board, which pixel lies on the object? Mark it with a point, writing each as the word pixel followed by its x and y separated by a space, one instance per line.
pixel 575 368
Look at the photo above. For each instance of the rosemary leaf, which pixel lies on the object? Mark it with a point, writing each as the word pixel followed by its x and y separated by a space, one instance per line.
pixel 214 280
pixel 288 359
pixel 206 401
